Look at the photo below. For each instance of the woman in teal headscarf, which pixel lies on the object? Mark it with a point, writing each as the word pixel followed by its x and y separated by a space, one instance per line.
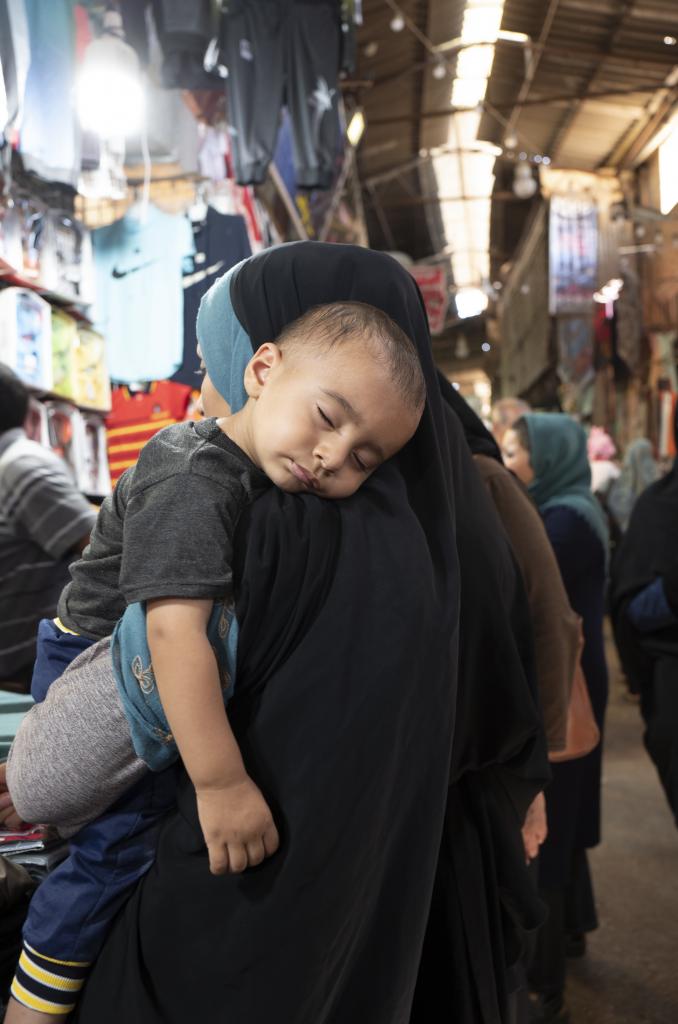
pixel 547 451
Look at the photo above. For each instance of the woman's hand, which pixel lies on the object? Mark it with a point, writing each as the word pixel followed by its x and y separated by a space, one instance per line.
pixel 237 825
pixel 535 829
pixel 9 819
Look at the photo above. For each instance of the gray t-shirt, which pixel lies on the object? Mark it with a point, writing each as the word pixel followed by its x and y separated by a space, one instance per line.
pixel 43 517
pixel 167 530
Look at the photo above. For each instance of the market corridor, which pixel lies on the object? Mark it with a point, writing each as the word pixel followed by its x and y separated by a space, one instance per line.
pixel 629 975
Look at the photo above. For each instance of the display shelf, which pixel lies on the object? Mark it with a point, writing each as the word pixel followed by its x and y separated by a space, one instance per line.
pixel 52 396
pixel 77 309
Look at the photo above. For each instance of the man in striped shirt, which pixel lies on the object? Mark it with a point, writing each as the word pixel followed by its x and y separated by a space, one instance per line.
pixel 45 522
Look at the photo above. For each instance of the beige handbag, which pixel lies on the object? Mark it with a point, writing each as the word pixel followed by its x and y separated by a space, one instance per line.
pixel 583 734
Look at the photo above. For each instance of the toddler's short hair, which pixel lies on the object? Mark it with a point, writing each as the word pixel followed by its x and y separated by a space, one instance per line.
pixel 323 327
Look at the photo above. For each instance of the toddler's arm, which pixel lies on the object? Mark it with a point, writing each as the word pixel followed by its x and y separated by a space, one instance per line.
pixel 237 824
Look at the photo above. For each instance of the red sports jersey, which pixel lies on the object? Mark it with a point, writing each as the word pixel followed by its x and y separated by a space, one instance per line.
pixel 136 416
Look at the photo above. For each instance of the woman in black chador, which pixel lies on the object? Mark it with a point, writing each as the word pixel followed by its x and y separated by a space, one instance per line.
pixel 396 738
pixel 644 600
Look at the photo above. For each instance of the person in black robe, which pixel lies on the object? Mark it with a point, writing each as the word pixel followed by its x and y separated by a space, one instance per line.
pixel 644 607
pixel 401 863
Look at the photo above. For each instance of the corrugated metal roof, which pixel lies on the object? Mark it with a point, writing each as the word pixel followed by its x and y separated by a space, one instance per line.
pixel 589 91
pixel 598 68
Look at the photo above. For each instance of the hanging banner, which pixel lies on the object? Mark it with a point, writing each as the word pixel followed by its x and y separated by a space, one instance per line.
pixel 575 350
pixel 573 254
pixel 432 283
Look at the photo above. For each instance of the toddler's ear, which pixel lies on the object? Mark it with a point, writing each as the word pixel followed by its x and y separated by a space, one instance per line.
pixel 258 370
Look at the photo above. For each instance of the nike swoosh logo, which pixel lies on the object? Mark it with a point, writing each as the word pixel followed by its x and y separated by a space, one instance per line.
pixel 117 274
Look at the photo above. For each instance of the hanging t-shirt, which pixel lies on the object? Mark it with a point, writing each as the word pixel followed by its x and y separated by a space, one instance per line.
pixel 139 305
pixel 15 57
pixel 221 241
pixel 136 416
pixel 50 132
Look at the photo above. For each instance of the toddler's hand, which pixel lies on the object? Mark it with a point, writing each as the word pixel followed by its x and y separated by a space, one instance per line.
pixel 237 825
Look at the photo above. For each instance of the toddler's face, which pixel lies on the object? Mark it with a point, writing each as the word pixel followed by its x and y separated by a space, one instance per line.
pixel 324 422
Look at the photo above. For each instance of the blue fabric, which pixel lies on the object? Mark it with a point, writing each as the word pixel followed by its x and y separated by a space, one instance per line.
pixel 55 651
pixel 72 910
pixel 226 348
pixel 562 472
pixel 650 609
pixel 139 295
pixel 151 736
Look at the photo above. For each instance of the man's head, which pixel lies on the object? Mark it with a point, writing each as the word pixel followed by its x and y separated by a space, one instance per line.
pixel 340 391
pixel 505 412
pixel 13 399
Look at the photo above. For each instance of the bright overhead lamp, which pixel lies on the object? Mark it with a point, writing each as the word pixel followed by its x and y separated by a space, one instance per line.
pixel 356 127
pixel 397 23
pixel 610 291
pixel 463 43
pixel 524 182
pixel 482 146
pixel 109 91
pixel 470 302
pixel 513 37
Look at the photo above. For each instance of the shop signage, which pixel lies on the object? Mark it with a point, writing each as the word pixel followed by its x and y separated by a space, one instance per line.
pixel 432 283
pixel 573 254
pixel 575 350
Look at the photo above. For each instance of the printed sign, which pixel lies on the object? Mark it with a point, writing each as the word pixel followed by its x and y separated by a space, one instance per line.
pixel 432 283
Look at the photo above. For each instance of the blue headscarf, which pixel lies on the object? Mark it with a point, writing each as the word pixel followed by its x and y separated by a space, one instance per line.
pixel 562 475
pixel 225 347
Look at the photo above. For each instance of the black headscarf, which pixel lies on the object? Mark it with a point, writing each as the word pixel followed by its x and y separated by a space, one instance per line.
pixel 648 549
pixel 344 710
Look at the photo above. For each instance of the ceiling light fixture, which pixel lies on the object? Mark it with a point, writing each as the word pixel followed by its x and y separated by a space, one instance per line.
pixel 397 23
pixel 439 71
pixel 109 91
pixel 470 302
pixel 524 183
pixel 356 127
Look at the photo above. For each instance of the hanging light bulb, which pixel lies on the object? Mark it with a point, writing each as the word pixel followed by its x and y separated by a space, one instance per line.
pixel 524 183
pixel 397 23
pixel 439 70
pixel 470 302
pixel 109 92
pixel 356 127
